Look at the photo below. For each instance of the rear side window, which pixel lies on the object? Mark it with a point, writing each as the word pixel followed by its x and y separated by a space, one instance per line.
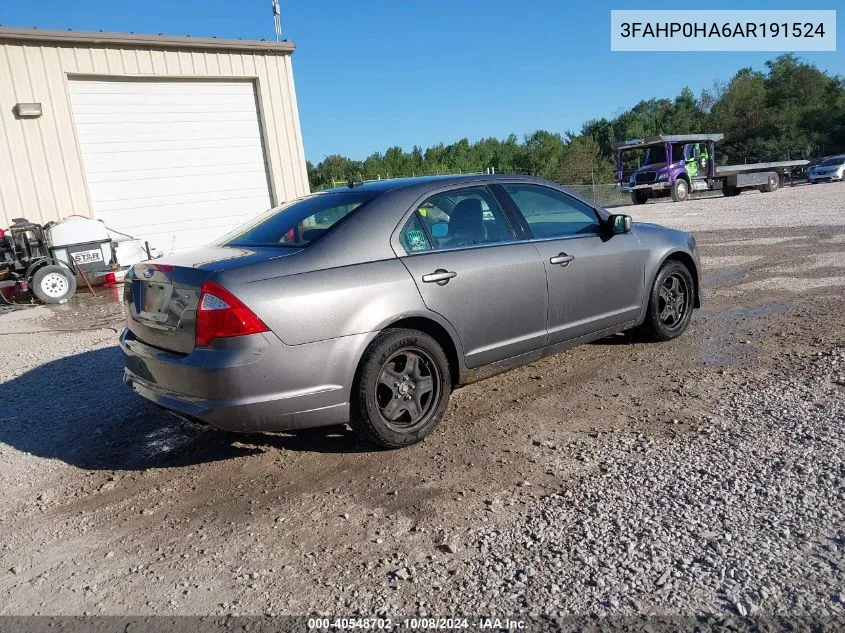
pixel 551 213
pixel 299 222
pixel 414 239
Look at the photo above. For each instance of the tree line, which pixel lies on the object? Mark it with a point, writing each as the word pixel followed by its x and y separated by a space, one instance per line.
pixel 791 110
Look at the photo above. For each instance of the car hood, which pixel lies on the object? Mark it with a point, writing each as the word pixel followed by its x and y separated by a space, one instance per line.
pixel 653 235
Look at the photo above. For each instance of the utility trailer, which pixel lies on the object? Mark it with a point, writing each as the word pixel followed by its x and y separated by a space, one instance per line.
pixel 677 165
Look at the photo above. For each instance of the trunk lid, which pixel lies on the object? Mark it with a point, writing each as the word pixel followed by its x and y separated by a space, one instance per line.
pixel 160 297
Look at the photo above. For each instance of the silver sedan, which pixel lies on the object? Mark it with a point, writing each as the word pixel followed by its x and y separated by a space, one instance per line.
pixel 369 304
pixel 830 169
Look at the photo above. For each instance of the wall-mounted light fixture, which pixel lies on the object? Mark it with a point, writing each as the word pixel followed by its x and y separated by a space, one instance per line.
pixel 28 110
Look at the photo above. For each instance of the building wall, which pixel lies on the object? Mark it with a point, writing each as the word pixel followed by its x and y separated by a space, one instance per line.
pixel 41 173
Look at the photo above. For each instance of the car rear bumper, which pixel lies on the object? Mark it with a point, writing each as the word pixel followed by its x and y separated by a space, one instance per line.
pixel 248 384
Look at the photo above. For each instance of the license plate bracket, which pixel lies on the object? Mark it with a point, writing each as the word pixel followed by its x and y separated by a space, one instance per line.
pixel 155 301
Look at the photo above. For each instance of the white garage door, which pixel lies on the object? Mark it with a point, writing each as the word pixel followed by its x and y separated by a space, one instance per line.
pixel 177 163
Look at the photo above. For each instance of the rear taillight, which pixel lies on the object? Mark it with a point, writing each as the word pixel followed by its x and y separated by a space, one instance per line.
pixel 221 314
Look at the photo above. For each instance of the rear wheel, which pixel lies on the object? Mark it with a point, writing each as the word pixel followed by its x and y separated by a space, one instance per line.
pixel 680 190
pixel 639 196
pixel 772 184
pixel 671 302
pixel 53 284
pixel 401 389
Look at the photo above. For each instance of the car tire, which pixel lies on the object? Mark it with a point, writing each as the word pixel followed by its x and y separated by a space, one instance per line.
pixel 639 196
pixel 729 191
pixel 670 302
pixel 401 388
pixel 53 284
pixel 680 190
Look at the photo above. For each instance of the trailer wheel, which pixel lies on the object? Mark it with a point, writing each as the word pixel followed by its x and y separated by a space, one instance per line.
pixel 773 183
pixel 53 284
pixel 680 190
pixel 639 196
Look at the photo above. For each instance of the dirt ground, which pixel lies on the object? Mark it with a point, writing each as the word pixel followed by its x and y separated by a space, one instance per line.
pixel 111 506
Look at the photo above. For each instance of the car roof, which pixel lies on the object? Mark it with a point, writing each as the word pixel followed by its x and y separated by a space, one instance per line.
pixel 390 184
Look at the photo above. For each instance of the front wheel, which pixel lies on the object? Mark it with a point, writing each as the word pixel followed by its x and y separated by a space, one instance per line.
pixel 401 389
pixel 53 284
pixel 670 302
pixel 680 190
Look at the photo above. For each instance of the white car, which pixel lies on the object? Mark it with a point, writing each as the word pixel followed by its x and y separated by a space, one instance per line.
pixel 830 169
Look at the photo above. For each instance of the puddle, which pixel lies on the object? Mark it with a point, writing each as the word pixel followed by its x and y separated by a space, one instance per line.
pixel 84 300
pixel 750 312
pixel 761 241
pixel 727 261
pixel 724 277
pixel 755 312
pixel 792 284
pixel 823 260
pixel 718 354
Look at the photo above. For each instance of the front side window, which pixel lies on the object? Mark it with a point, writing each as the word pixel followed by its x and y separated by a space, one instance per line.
pixel 551 213
pixel 465 217
pixel 299 222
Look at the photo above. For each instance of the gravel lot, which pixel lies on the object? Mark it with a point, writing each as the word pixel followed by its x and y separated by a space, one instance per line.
pixel 705 476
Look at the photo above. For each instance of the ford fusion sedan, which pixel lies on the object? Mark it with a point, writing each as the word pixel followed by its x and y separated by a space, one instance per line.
pixel 369 304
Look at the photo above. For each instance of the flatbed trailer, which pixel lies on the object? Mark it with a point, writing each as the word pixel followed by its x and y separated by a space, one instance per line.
pixel 677 165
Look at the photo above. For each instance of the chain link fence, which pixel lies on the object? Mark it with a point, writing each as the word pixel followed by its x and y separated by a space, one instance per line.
pixel 600 194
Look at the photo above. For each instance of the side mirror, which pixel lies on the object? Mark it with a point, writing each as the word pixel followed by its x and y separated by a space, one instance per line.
pixel 620 223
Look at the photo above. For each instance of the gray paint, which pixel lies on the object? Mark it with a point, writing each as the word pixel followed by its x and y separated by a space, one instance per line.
pixel 507 304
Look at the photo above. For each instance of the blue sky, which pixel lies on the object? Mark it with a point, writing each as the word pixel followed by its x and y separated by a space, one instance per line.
pixel 372 74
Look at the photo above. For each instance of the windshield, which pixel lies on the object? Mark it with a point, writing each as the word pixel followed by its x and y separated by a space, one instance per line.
pixel 299 222
pixel 655 155
pixel 828 162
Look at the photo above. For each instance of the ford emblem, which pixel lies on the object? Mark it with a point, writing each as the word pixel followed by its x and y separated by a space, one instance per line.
pixel 148 272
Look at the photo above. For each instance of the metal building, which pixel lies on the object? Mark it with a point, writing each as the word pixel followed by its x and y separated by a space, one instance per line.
pixel 174 140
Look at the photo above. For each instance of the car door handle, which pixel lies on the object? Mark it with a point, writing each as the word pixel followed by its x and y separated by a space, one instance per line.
pixel 440 277
pixel 562 258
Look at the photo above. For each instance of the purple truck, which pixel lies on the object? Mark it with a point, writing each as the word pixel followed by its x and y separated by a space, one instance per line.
pixel 677 165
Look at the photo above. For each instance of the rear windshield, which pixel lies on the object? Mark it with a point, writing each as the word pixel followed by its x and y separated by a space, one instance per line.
pixel 299 222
